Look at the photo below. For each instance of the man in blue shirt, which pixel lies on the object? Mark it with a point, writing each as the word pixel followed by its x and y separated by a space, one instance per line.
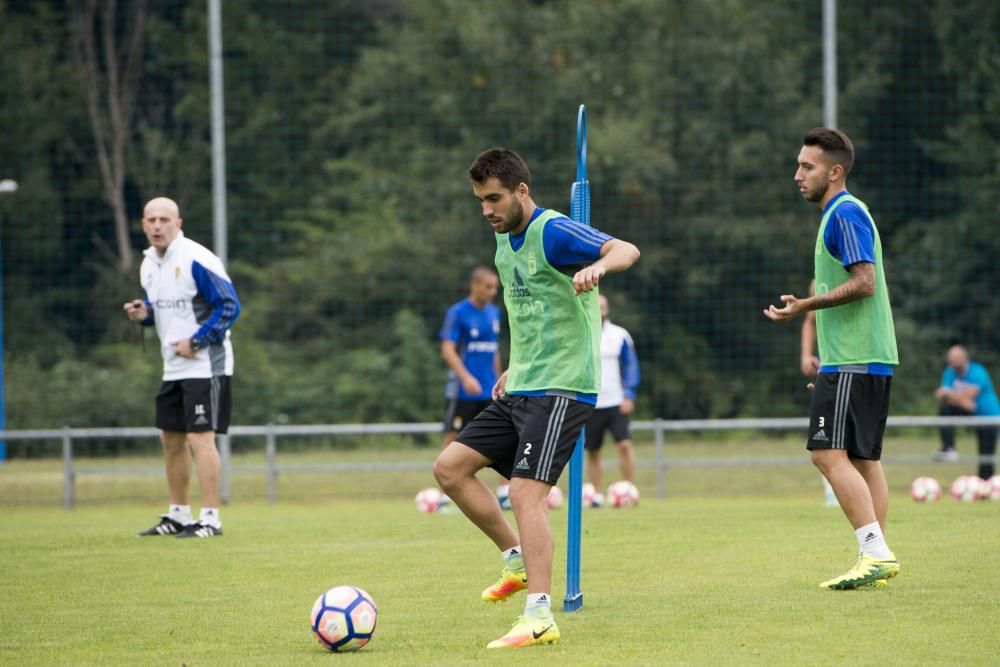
pixel 469 345
pixel 966 389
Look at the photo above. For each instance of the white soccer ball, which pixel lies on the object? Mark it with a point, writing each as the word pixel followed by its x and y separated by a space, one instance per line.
pixel 993 485
pixel 967 488
pixel 623 494
pixel 430 500
pixel 503 496
pixel 925 490
pixel 343 619
pixel 555 498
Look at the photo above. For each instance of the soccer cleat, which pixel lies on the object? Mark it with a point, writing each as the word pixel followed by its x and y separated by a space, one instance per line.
pixel 865 571
pixel 199 529
pixel 510 582
pixel 878 584
pixel 527 632
pixel 167 526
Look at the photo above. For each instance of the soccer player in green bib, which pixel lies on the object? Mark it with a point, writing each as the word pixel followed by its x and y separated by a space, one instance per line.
pixel 550 267
pixel 857 352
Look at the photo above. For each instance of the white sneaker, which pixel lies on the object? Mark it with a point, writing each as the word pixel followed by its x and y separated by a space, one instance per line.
pixel 946 456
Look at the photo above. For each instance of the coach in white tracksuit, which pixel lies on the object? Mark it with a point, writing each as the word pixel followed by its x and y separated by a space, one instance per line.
pixel 191 301
pixel 615 402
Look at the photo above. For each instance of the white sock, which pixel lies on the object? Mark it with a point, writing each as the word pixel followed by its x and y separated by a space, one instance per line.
pixel 872 542
pixel 538 605
pixel 210 516
pixel 513 558
pixel 181 514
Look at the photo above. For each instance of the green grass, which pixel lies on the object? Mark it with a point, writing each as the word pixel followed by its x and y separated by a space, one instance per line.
pixel 691 580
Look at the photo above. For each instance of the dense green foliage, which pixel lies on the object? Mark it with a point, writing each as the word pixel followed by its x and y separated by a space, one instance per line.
pixel 352 227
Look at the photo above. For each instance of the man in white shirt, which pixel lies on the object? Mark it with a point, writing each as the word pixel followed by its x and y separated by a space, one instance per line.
pixel 615 402
pixel 190 299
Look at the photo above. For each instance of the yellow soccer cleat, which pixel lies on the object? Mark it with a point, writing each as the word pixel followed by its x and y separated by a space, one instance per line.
pixel 528 632
pixel 511 581
pixel 867 570
pixel 876 585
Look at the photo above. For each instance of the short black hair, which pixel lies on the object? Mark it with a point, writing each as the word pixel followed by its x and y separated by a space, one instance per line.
pixel 835 144
pixel 504 165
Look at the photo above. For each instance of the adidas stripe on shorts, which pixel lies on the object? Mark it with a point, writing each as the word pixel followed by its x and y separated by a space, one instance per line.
pixel 849 412
pixel 527 436
pixel 195 405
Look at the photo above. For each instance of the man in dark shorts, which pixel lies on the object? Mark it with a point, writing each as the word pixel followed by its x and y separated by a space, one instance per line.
pixel 191 301
pixel 615 402
pixel 549 266
pixel 857 352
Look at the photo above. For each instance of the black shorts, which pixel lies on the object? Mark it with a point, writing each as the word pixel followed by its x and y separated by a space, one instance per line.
pixel 527 436
pixel 459 412
pixel 849 412
pixel 195 405
pixel 606 419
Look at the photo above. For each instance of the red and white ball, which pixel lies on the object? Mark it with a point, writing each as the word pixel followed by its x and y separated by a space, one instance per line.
pixel 925 490
pixel 623 494
pixel 343 619
pixel 967 488
pixel 430 500
pixel 555 498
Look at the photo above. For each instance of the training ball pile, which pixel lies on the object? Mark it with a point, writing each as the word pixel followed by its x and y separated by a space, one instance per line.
pixel 925 490
pixel 431 500
pixel 967 488
pixel 623 494
pixel 343 619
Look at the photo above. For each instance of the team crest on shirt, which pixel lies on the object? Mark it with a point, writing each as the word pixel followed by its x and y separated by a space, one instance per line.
pixel 532 263
pixel 474 332
pixel 177 271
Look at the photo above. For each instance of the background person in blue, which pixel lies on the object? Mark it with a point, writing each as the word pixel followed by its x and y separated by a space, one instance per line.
pixel 470 346
pixel 966 389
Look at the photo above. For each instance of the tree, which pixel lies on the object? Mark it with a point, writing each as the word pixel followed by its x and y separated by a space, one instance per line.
pixel 109 67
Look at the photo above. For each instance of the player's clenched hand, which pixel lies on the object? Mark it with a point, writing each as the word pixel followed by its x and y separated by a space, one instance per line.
pixel 498 388
pixel 792 307
pixel 136 310
pixel 587 278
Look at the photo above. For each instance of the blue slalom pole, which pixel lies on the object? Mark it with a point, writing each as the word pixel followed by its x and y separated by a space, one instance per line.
pixel 579 211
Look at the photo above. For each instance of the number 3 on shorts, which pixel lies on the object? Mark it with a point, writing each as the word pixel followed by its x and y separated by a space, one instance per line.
pixel 822 422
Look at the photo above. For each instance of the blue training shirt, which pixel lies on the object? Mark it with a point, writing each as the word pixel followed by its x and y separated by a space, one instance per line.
pixel 976 375
pixel 476 334
pixel 850 237
pixel 569 246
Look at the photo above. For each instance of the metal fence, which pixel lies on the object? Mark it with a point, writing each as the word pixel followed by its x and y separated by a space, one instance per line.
pixel 272 468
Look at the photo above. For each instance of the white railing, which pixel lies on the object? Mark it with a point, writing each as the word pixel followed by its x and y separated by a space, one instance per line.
pixel 272 469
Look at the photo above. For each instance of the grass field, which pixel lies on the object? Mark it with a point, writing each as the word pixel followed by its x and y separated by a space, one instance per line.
pixel 687 581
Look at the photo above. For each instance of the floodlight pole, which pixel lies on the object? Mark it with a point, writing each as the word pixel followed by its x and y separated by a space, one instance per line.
pixel 219 223
pixel 830 63
pixel 7 186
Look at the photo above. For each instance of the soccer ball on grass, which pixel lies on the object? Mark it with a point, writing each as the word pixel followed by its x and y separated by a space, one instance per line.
pixel 967 488
pixel 343 619
pixel 623 494
pixel 925 490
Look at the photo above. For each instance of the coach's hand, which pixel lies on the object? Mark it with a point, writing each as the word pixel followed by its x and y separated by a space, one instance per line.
pixel 500 386
pixel 135 310
pixel 627 406
pixel 587 278
pixel 182 348
pixel 793 306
